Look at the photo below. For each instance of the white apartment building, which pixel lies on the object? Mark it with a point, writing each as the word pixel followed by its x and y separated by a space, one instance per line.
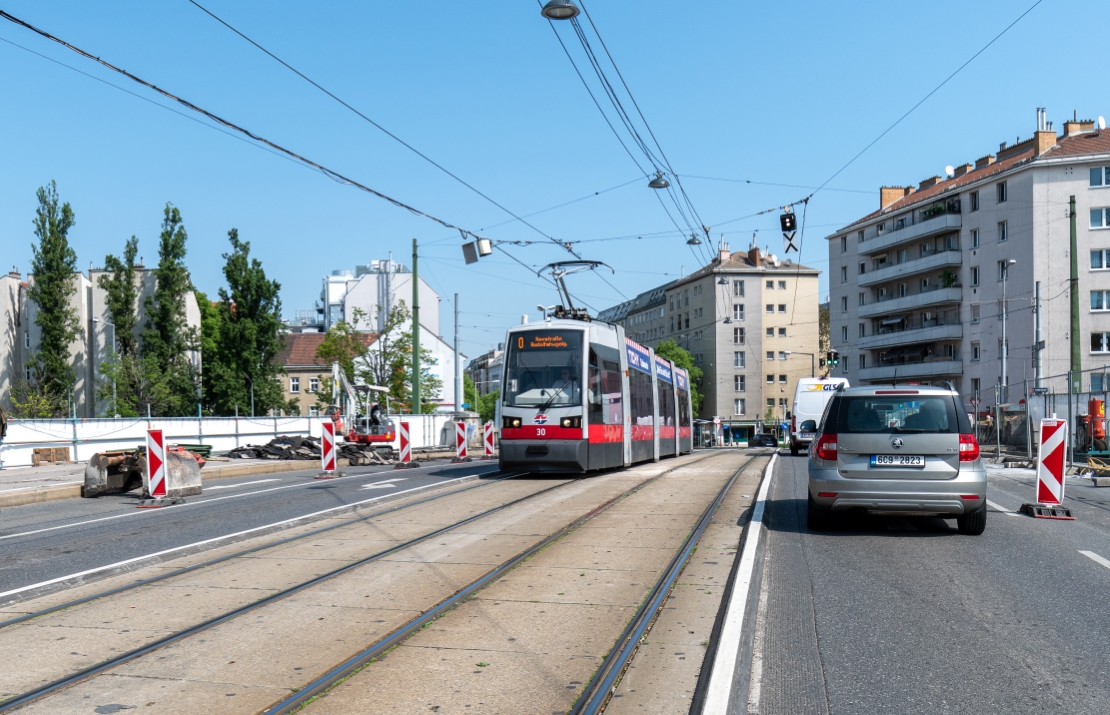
pixel 749 320
pixel 917 287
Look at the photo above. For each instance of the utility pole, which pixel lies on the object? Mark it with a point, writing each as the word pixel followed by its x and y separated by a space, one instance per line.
pixel 1004 353
pixel 415 334
pixel 1037 352
pixel 458 383
pixel 1075 376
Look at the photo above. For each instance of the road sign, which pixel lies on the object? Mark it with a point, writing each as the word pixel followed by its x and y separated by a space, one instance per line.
pixel 406 445
pixel 487 440
pixel 460 443
pixel 1050 472
pixel 155 463
pixel 327 450
pixel 1039 345
pixel 1038 391
pixel 788 243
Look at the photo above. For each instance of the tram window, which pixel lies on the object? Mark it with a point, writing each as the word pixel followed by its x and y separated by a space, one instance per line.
pixel 593 384
pixel 666 403
pixel 535 366
pixel 613 409
pixel 683 408
pixel 642 403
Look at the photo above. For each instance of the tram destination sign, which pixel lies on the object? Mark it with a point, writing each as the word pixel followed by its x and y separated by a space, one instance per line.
pixel 541 341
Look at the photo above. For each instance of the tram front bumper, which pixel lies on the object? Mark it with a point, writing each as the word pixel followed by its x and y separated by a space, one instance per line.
pixel 544 455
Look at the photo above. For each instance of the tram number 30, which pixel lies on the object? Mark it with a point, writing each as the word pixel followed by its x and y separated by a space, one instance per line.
pixel 540 432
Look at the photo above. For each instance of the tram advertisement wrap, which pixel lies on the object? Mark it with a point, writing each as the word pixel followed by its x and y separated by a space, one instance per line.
pixel 638 356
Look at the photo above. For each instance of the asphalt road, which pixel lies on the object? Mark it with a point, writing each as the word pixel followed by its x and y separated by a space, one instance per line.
pixel 890 614
pixel 43 542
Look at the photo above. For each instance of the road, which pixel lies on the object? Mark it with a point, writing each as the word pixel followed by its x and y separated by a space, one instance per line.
pixel 890 614
pixel 40 543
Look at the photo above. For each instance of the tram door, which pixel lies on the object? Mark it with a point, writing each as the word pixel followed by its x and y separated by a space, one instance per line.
pixel 685 408
pixel 667 413
pixel 642 399
pixel 605 408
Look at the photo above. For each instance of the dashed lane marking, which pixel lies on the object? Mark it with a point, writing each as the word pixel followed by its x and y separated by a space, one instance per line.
pixel 241 484
pixel 1096 558
pixel 1002 509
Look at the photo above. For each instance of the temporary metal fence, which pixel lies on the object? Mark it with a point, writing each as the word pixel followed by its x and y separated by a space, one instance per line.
pixel 85 437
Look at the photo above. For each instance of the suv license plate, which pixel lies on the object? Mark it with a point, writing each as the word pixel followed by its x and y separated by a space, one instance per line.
pixel 897 460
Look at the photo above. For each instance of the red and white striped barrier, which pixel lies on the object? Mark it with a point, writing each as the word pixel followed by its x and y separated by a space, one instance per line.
pixel 155 464
pixel 327 451
pixel 406 449
pixel 1051 462
pixel 461 454
pixel 168 476
pixel 487 440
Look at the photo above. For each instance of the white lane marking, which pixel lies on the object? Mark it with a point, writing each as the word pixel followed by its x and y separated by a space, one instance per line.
pixel 45 485
pixel 213 540
pixel 1002 509
pixel 379 485
pixel 728 645
pixel 241 484
pixel 1096 558
pixel 384 483
pixel 153 512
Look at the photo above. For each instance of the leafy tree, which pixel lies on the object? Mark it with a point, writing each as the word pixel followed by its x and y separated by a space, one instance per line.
pixel 168 339
pixel 29 403
pixel 247 338
pixel 670 350
pixel 487 405
pixel 138 383
pixel 824 344
pixel 53 264
pixel 122 295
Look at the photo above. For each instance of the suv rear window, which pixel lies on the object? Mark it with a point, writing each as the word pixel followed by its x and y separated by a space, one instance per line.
pixel 875 414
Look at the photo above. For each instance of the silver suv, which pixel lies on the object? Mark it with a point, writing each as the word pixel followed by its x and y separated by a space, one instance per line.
pixel 897 450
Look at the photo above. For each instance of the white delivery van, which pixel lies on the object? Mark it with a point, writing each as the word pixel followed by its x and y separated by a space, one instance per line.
pixel 810 398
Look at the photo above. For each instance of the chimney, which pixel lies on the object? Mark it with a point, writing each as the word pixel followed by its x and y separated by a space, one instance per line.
pixel 753 256
pixel 1043 141
pixel 962 169
pixel 890 194
pixel 984 161
pixel 723 254
pixel 908 190
pixel 931 181
pixel 1078 126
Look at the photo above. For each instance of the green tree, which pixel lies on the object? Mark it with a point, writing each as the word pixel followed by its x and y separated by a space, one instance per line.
pixel 824 344
pixel 122 295
pixel 53 264
pixel 167 339
pixel 670 350
pixel 487 405
pixel 248 336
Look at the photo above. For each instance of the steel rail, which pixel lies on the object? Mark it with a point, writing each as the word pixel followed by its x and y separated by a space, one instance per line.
pixel 70 680
pixel 595 696
pixel 350 666
pixel 244 552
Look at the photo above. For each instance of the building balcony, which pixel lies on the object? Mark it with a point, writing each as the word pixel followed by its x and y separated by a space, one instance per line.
pixel 929 262
pixel 892 306
pixel 931 226
pixel 926 334
pixel 929 368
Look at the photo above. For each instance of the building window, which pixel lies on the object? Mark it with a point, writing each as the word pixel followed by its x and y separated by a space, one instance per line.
pixel 843 274
pixel 782 285
pixel 739 407
pixel 844 333
pixel 974 200
pixel 770 285
pixel 843 244
pixel 1100 218
pixel 975 351
pixel 899 224
pixel 737 311
pixel 782 379
pixel 771 355
pixel 901 290
pixel 738 383
pixel 975 275
pixel 313 411
pixel 314 384
pixel 294 385
pixel 782 354
pixel 782 332
pixel 1002 270
pixel 1099 260
pixel 1003 233
pixel 770 308
pixel 862 330
pixel 845 363
pixel 859 236
pixel 770 403
pixel 782 307
pixel 1099 342
pixel 687 294
pixel 27 373
pixel 975 383
pixel 687 320
pixel 1002 193
pixel 863 299
pixel 1098 384
pixel 862 268
pixel 738 359
pixel 1100 300
pixel 974 238
pixel 27 340
pixel 975 312
pixel 770 379
pixel 862 361
pixel 738 336
pixel 1100 176
pixel 844 304
pixel 770 332
pixel 738 288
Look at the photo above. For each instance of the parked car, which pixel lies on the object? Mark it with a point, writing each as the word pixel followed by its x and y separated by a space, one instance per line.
pixel 810 398
pixel 897 450
pixel 763 439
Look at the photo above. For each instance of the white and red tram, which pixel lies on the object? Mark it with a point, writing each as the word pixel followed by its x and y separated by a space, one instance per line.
pixel 578 396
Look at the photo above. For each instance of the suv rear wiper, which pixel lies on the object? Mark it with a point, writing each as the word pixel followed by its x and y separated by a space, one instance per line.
pixel 911 430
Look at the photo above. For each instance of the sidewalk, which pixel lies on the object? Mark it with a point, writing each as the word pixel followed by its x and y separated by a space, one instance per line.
pixel 29 485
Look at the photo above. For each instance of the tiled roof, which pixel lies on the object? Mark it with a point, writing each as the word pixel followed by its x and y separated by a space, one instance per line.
pixel 1097 142
pixel 300 348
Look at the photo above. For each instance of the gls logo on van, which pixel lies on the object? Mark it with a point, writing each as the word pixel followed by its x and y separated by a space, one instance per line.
pixel 822 388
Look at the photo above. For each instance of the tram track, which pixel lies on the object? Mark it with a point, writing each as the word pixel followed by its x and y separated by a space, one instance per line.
pixel 321 685
pixel 55 686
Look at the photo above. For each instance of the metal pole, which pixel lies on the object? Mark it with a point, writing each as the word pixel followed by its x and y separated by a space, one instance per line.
pixel 415 334
pixel 458 384
pixel 997 424
pixel 1071 441
pixel 1028 423
pixel 1075 374
pixel 1039 381
pixel 1002 354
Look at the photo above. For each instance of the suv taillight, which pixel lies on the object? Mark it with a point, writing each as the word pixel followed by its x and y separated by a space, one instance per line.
pixel 826 447
pixel 969 448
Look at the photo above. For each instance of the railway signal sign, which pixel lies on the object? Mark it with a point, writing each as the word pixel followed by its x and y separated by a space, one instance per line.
pixel 327 450
pixel 1050 472
pixel 789 225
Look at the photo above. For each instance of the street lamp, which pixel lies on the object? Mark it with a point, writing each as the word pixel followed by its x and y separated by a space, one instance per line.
pixel 115 408
pixel 1004 353
pixel 658 182
pixel 812 369
pixel 559 10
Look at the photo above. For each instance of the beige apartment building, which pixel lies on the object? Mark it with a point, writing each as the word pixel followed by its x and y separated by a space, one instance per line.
pixel 750 321
pixel 916 288
pixel 305 374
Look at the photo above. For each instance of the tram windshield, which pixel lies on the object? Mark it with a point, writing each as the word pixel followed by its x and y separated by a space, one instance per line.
pixel 543 368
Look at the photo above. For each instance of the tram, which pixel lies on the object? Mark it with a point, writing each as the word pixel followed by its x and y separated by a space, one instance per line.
pixel 579 396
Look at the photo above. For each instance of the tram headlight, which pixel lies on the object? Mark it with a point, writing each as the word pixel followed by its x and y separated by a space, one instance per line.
pixel 571 422
pixel 510 422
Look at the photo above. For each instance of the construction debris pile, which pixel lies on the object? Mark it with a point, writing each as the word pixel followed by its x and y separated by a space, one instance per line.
pixel 308 448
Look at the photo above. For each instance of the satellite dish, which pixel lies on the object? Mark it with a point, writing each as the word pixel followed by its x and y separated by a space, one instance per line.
pixel 775 260
pixel 949 171
pixel 1101 123
pixel 787 262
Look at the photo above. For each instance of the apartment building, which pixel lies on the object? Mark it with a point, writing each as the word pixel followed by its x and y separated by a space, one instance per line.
pixel 749 320
pixel 916 288
pixel 485 370
pixel 305 374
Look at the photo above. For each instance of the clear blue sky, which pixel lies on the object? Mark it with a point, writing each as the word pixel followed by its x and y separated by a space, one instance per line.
pixel 768 92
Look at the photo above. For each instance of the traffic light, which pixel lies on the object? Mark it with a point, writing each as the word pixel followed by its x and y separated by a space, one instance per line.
pixel 788 222
pixel 833 358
